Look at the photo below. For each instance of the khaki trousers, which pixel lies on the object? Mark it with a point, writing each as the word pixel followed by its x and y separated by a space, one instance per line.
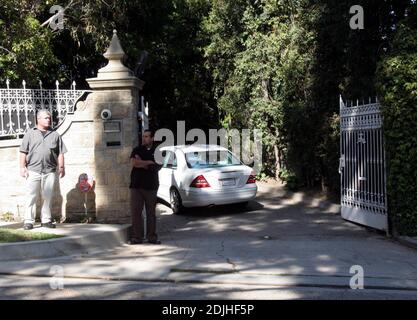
pixel 39 183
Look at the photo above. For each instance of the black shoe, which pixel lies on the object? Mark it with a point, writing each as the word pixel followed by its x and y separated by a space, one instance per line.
pixel 154 241
pixel 27 226
pixel 135 241
pixel 48 225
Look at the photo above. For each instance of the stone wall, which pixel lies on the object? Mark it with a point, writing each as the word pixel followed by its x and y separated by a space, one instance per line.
pixel 76 131
pixel 82 134
pixel 113 163
pixel 11 187
pixel 115 88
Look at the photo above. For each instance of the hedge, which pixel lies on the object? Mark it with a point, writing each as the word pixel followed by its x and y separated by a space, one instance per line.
pixel 397 90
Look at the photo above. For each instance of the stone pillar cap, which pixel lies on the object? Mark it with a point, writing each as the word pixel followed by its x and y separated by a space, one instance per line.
pixel 115 50
pixel 115 68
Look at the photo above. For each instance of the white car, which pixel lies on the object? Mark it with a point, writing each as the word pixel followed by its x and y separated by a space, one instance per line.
pixel 204 175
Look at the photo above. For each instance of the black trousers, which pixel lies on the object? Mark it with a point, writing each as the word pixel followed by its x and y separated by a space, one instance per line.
pixel 138 198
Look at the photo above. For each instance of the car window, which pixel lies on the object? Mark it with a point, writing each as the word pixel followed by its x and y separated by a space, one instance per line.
pixel 174 160
pixel 166 158
pixel 209 159
pixel 170 160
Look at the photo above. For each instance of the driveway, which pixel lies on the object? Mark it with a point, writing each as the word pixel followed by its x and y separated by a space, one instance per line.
pixel 283 246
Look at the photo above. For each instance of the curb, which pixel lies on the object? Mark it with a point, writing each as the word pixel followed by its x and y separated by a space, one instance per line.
pixel 96 239
pixel 410 242
pixel 11 225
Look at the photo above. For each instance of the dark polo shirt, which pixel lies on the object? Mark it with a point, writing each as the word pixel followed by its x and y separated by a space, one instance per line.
pixel 42 150
pixel 141 178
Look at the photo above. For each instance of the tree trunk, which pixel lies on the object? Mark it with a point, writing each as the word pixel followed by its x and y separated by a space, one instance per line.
pixel 277 161
pixel 277 153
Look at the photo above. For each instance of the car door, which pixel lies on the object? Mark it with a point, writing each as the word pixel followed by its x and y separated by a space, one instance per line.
pixel 166 175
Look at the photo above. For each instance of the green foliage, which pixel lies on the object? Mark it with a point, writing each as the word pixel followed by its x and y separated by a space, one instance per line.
pixel 244 55
pixel 7 216
pixel 8 235
pixel 177 82
pixel 261 177
pixel 291 181
pixel 176 79
pixel 25 51
pixel 280 66
pixel 262 55
pixel 397 86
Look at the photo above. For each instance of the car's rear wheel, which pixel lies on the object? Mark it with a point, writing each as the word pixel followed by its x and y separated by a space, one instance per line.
pixel 175 201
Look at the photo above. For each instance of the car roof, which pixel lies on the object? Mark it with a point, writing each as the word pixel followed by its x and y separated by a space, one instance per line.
pixel 195 148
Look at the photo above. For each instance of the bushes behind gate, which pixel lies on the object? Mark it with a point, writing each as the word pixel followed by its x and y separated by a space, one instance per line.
pixel 397 86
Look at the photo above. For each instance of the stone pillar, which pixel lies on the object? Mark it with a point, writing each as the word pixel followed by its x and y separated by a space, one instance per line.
pixel 117 90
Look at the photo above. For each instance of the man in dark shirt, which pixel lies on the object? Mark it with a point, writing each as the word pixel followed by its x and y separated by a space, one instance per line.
pixel 144 185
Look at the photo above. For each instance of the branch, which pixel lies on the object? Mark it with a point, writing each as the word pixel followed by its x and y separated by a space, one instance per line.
pixel 8 51
pixel 47 22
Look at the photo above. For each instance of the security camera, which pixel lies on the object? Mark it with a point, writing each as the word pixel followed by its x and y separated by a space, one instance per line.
pixel 105 114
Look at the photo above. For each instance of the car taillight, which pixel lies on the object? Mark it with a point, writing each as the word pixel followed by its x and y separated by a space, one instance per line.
pixel 251 179
pixel 200 182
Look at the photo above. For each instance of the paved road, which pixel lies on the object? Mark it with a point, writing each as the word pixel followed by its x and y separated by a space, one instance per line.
pixel 43 288
pixel 284 246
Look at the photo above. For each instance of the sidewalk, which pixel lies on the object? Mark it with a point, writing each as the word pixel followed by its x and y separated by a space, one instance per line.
pixel 78 239
pixel 203 264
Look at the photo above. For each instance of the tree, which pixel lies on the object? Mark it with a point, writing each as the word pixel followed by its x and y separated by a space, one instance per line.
pixel 176 80
pixel 261 72
pixel 397 89
pixel 25 51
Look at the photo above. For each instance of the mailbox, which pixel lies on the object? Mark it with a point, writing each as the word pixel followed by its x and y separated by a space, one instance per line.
pixel 113 133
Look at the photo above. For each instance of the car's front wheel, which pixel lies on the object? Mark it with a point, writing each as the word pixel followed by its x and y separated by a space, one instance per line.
pixel 175 201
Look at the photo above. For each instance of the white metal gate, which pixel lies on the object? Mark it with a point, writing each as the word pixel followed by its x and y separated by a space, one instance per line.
pixel 362 165
pixel 18 107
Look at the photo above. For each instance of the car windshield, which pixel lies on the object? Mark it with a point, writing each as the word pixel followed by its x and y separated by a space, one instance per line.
pixel 209 159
